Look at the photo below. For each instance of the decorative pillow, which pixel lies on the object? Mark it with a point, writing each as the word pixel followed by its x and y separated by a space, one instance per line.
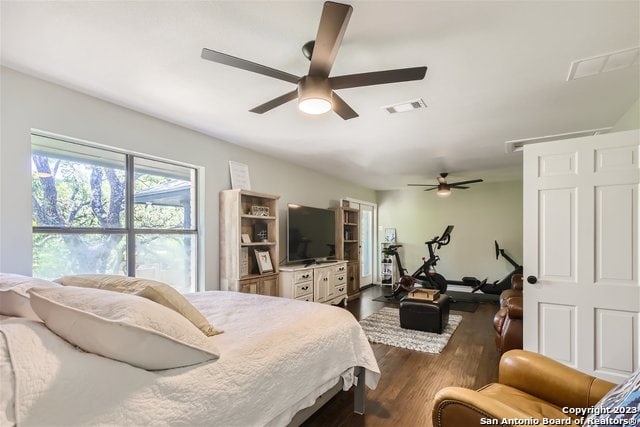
pixel 123 327
pixel 621 406
pixel 14 299
pixel 155 291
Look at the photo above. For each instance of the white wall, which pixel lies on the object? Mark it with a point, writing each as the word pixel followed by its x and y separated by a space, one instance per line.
pixel 481 214
pixel 630 119
pixel 28 103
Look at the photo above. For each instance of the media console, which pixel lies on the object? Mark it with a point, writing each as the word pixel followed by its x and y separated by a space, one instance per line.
pixel 325 282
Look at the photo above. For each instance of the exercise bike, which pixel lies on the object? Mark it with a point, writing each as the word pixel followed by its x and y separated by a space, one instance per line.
pixel 498 286
pixel 426 275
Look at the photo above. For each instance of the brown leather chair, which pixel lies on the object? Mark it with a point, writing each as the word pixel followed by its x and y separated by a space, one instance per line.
pixel 515 291
pixel 529 386
pixel 508 320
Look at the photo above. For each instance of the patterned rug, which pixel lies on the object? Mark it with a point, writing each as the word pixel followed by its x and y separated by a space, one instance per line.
pixel 383 327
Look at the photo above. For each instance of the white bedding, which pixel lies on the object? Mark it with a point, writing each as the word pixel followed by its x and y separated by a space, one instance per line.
pixel 276 356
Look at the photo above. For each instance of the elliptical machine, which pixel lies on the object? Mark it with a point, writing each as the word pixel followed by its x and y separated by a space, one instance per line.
pixel 498 286
pixel 426 275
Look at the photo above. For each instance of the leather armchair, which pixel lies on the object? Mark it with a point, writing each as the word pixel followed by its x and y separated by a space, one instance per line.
pixel 508 320
pixel 515 291
pixel 529 386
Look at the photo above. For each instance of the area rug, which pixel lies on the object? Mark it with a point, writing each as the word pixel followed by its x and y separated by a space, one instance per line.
pixel 454 304
pixel 383 327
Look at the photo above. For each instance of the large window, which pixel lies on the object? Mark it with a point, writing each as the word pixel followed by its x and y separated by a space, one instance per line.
pixel 102 211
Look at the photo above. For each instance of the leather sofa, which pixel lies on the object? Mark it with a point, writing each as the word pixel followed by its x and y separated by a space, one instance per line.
pixel 507 322
pixel 530 386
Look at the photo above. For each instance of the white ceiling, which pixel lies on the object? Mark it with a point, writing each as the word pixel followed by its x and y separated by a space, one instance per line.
pixel 496 72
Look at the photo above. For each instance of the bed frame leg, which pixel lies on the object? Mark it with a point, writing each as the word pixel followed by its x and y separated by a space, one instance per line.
pixel 358 397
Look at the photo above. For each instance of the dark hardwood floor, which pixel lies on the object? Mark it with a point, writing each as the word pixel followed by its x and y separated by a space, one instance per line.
pixel 410 379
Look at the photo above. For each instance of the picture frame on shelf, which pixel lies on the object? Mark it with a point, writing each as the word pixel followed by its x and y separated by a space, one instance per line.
pixel 245 238
pixel 264 261
pixel 390 235
pixel 260 232
pixel 239 173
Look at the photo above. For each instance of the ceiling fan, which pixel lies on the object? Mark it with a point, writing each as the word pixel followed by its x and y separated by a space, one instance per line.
pixel 443 187
pixel 316 91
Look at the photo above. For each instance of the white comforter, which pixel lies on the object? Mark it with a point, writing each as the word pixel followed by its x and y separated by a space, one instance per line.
pixel 276 355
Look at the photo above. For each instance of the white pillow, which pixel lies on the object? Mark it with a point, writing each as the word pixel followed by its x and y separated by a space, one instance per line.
pixel 150 289
pixel 123 327
pixel 14 299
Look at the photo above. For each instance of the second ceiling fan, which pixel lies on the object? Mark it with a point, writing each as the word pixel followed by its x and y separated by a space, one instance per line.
pixel 444 187
pixel 316 91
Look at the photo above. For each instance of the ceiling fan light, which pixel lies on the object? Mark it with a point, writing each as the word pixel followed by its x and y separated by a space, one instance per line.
pixel 443 192
pixel 314 105
pixel 314 95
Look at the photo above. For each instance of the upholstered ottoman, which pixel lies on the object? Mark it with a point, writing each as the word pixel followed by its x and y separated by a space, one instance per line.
pixel 427 316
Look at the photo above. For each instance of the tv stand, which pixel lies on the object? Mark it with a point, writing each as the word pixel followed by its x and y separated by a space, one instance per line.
pixel 322 281
pixel 319 261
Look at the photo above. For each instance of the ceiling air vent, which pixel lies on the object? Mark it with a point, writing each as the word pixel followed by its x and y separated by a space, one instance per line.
pixel 517 144
pixel 603 63
pixel 403 107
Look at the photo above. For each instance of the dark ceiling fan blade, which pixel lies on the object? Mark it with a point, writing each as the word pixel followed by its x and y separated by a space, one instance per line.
pixel 342 108
pixel 465 182
pixel 276 102
pixel 378 77
pixel 461 187
pixel 422 185
pixel 434 188
pixel 333 24
pixel 243 64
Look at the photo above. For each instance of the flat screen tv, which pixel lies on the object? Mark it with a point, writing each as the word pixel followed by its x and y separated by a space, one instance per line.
pixel 311 234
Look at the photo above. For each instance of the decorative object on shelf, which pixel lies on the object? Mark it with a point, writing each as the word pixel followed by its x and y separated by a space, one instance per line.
pixel 260 233
pixel 244 261
pixel 260 210
pixel 390 235
pixel 245 238
pixel 264 261
pixel 239 176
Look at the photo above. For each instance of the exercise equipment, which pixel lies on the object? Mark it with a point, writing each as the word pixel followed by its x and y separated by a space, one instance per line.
pixel 426 275
pixel 498 286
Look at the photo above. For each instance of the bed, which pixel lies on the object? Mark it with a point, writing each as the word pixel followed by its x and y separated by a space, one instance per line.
pixel 276 357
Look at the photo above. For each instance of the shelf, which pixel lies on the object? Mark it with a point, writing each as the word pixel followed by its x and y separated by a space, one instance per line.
pixel 247 216
pixel 351 241
pixel 351 223
pixel 257 276
pixel 258 244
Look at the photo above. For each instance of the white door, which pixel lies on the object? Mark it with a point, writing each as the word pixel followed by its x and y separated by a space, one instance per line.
pixel 366 244
pixel 581 250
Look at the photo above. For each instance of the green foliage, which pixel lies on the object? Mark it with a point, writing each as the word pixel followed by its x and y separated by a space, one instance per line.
pixel 77 194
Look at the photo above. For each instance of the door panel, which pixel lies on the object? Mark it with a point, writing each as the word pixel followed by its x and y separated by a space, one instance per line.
pixel 614 355
pixel 558 332
pixel 581 243
pixel 557 234
pixel 615 222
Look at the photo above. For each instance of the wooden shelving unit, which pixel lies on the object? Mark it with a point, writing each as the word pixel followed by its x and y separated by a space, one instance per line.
pixel 238 264
pixel 348 246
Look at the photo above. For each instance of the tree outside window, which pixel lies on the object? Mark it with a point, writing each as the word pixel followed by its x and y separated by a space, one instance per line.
pixel 84 221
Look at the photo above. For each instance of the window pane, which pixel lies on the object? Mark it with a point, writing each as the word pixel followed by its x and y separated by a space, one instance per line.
pixel 76 186
pixel 164 195
pixel 169 258
pixel 56 255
